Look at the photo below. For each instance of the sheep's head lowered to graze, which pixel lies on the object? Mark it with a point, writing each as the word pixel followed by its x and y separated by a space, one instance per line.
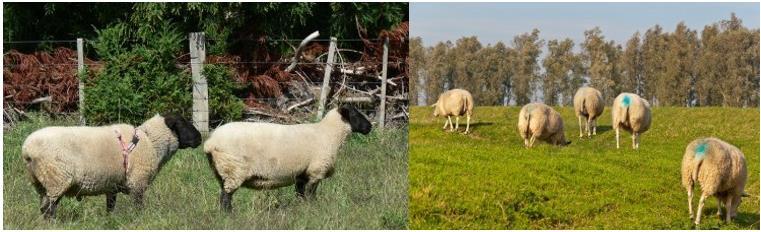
pixel 187 134
pixel 357 121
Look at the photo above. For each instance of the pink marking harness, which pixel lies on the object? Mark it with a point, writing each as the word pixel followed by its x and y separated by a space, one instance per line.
pixel 127 148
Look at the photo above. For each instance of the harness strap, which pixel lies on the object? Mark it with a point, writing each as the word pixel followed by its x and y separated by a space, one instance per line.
pixel 127 148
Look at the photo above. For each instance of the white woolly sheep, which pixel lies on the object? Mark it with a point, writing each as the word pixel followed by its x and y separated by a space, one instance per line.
pixel 588 103
pixel 631 113
pixel 720 170
pixel 89 161
pixel 455 102
pixel 269 156
pixel 539 121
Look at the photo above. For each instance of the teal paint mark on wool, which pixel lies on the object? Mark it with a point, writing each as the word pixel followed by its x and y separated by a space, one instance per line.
pixel 700 150
pixel 626 101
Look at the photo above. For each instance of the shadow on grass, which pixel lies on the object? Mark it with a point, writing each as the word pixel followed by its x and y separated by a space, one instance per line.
pixel 474 126
pixel 747 220
pixel 603 129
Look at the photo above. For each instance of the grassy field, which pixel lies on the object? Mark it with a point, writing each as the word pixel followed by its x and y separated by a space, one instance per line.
pixel 488 180
pixel 367 191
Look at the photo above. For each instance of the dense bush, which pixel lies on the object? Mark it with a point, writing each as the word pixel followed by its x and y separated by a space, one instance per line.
pixel 141 77
pixel 223 105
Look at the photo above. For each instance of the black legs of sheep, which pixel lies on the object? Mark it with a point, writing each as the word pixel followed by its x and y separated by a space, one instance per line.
pixel 48 206
pixel 306 187
pixel 225 200
pixel 110 202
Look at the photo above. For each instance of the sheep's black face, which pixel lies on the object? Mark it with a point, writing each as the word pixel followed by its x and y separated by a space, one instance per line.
pixel 187 135
pixel 357 121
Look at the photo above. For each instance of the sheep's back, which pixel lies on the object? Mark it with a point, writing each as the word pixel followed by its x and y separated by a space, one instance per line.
pixel 722 168
pixel 88 156
pixel 455 102
pixel 267 148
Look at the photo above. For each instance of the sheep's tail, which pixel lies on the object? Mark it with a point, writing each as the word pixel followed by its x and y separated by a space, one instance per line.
pixel 467 105
pixel 584 107
pixel 700 152
pixel 528 123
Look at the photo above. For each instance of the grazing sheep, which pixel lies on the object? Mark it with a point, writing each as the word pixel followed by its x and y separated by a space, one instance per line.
pixel 587 103
pixel 88 161
pixel 720 170
pixel 455 102
pixel 269 156
pixel 539 121
pixel 631 113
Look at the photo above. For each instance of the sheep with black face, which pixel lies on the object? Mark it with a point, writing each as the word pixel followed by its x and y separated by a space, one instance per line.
pixel 268 156
pixel 88 161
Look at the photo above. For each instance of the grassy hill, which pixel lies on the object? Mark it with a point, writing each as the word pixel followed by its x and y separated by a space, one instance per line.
pixel 488 180
pixel 367 191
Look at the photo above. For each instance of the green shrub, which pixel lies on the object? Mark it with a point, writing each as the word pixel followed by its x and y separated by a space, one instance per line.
pixel 141 78
pixel 223 105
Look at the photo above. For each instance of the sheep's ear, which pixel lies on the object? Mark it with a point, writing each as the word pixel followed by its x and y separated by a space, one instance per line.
pixel 357 121
pixel 187 134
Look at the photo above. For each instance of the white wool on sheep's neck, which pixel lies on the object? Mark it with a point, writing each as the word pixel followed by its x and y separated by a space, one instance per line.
pixel 163 139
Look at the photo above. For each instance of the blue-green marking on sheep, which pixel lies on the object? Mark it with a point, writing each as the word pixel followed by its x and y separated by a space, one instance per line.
pixel 700 150
pixel 626 101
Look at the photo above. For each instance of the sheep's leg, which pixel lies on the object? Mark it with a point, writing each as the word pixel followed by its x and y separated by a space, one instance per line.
pixel 634 140
pixel 137 198
pixel 718 205
pixel 44 204
pixel 467 128
pixel 589 132
pixel 594 127
pixel 457 123
pixel 225 200
pixel 51 206
pixel 451 126
pixel 531 142
pixel 689 201
pixel 301 182
pixel 732 211
pixel 581 129
pixel 727 206
pixel 311 188
pixel 446 122
pixel 618 134
pixel 110 202
pixel 701 203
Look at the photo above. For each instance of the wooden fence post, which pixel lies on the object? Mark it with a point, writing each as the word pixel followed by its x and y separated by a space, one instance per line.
pixel 200 88
pixel 382 113
pixel 326 78
pixel 80 77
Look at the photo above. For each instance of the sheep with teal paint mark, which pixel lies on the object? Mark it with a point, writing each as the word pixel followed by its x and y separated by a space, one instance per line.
pixel 719 168
pixel 630 113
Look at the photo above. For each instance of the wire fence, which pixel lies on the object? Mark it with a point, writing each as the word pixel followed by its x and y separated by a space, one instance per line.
pixel 342 64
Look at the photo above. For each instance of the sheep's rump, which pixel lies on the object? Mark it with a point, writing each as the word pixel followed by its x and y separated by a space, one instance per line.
pixel 718 166
pixel 89 158
pixel 539 120
pixel 588 102
pixel 264 150
pixel 455 102
pixel 631 113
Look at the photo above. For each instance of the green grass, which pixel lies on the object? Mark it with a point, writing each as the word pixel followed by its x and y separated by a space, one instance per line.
pixel 488 180
pixel 367 191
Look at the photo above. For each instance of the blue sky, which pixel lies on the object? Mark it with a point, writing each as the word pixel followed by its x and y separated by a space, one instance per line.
pixel 492 22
